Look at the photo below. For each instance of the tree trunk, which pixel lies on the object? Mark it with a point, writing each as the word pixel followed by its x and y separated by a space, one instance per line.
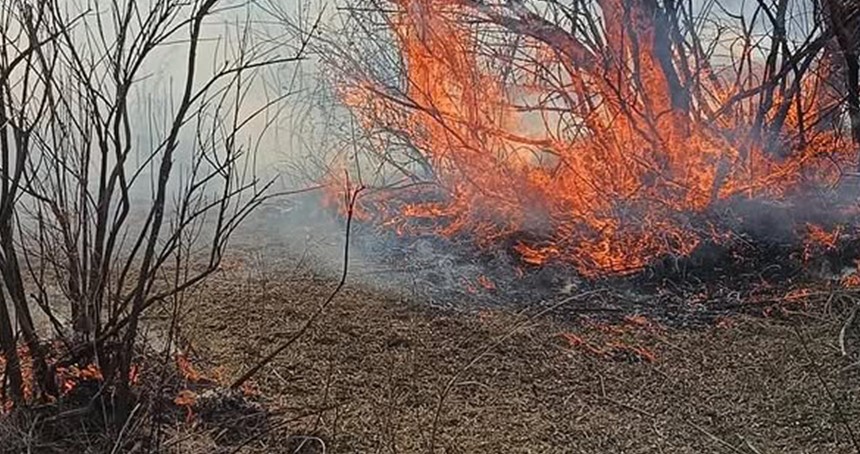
pixel 10 354
pixel 844 18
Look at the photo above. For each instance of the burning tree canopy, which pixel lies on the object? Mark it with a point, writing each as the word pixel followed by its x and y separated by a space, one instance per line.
pixel 606 129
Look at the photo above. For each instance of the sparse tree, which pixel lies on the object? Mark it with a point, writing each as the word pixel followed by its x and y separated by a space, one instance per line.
pixel 843 20
pixel 117 190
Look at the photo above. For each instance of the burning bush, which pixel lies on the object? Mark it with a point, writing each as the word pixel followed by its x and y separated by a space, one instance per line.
pixel 608 129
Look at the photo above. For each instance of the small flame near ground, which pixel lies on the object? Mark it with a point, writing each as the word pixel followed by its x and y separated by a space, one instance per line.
pixel 194 380
pixel 69 378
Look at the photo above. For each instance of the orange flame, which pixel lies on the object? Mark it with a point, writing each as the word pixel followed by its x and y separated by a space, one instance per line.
pixel 818 238
pixel 186 369
pixel 70 377
pixel 852 279
pixel 598 152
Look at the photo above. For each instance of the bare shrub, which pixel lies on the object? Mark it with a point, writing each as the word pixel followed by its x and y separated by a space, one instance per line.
pixel 120 188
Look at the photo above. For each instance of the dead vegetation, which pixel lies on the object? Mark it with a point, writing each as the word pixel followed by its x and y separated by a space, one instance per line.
pixel 117 196
pixel 380 374
pixel 168 347
pixel 598 133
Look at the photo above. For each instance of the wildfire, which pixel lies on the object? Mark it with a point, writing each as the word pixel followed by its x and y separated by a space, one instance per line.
pixel 70 377
pixel 26 375
pixel 67 378
pixel 607 151
pixel 817 238
pixel 186 369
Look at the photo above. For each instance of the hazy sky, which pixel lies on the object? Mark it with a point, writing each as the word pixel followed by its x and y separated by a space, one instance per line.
pixel 278 145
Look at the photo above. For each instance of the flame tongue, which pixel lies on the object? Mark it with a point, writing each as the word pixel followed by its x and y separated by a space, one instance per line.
pixel 605 153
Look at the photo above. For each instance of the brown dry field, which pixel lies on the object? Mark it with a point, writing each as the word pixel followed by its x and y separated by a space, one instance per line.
pixel 370 375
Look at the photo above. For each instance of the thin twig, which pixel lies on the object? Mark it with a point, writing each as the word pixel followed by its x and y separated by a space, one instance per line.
pixel 845 327
pixel 125 426
pixel 485 351
pixel 286 344
pixel 279 425
pixel 713 437
pixel 836 407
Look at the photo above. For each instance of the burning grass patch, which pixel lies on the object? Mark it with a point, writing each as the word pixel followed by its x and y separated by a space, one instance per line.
pixel 774 253
pixel 177 407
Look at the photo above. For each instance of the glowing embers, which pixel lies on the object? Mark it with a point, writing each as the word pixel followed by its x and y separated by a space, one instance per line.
pixel 818 240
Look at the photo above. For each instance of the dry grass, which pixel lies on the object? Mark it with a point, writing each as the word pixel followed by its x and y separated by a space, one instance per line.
pixel 369 376
pixel 379 374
